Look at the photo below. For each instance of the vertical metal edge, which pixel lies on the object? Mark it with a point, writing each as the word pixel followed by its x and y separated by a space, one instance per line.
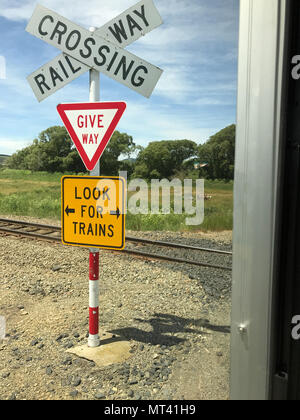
pixel 278 380
pixel 261 56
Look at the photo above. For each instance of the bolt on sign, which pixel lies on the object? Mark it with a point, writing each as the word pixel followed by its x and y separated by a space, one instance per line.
pixel 93 211
pixel 102 50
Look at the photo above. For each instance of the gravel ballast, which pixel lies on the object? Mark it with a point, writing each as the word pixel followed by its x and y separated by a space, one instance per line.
pixel 175 316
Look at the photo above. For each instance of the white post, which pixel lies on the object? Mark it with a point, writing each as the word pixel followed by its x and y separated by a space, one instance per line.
pixel 94 340
pixel 95 97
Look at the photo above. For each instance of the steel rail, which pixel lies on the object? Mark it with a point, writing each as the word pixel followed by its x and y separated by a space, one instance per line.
pixel 130 239
pixel 30 234
pixel 174 245
pixel 147 255
pixel 19 222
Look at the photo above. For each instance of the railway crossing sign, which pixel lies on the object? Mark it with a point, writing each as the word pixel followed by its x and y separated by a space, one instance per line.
pixel 91 126
pixel 102 50
pixel 93 208
pixel 93 211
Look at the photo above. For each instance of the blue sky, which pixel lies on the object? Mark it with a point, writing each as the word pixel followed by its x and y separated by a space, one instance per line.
pixel 196 47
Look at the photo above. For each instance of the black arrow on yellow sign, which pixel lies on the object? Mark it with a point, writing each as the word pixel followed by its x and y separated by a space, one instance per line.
pixel 115 212
pixel 68 211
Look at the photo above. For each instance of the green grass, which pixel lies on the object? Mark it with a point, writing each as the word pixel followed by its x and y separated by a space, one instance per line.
pixel 29 193
pixel 218 212
pixel 41 202
pixel 157 222
pixel 38 195
pixel 24 175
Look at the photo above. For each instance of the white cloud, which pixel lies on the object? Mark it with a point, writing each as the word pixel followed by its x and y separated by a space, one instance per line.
pixel 197 135
pixel 177 84
pixel 18 85
pixel 15 10
pixel 147 123
pixel 9 145
pixel 90 13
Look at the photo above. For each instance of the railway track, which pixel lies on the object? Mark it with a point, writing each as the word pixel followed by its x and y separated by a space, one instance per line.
pixel 53 234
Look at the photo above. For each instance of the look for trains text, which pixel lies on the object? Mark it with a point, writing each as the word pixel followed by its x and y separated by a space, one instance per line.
pixel 93 212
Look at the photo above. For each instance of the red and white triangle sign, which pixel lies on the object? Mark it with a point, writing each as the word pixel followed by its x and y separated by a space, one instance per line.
pixel 91 126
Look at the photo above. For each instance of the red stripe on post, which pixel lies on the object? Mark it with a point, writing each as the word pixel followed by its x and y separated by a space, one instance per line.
pixel 94 266
pixel 94 321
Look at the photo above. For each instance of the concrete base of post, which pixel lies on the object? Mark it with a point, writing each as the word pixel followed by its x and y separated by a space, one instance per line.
pixel 113 349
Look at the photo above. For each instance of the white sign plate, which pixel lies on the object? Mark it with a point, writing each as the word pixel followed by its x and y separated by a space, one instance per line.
pixel 60 71
pixel 93 51
pixel 55 75
pixel 91 126
pixel 132 24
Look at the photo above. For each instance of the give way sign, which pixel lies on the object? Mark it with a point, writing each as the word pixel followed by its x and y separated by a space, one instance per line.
pixel 91 126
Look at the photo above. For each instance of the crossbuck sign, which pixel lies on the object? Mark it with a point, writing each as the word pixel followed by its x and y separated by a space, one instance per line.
pixel 102 50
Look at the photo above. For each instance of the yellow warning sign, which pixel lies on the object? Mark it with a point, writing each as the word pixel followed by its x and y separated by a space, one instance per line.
pixel 93 211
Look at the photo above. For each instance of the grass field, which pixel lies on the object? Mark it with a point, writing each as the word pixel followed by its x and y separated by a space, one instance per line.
pixel 38 194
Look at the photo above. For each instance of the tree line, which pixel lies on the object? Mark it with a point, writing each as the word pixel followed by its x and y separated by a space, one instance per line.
pixel 53 151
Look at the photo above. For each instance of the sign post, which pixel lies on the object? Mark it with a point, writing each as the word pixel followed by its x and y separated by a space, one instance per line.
pixel 94 338
pixel 95 97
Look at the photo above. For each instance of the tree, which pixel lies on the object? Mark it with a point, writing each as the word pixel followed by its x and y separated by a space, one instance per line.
pixel 119 144
pixel 73 163
pixel 46 153
pixel 53 151
pixel 54 145
pixel 219 153
pixel 17 160
pixel 160 159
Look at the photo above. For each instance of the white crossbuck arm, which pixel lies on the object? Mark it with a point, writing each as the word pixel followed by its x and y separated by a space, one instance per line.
pixel 102 50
